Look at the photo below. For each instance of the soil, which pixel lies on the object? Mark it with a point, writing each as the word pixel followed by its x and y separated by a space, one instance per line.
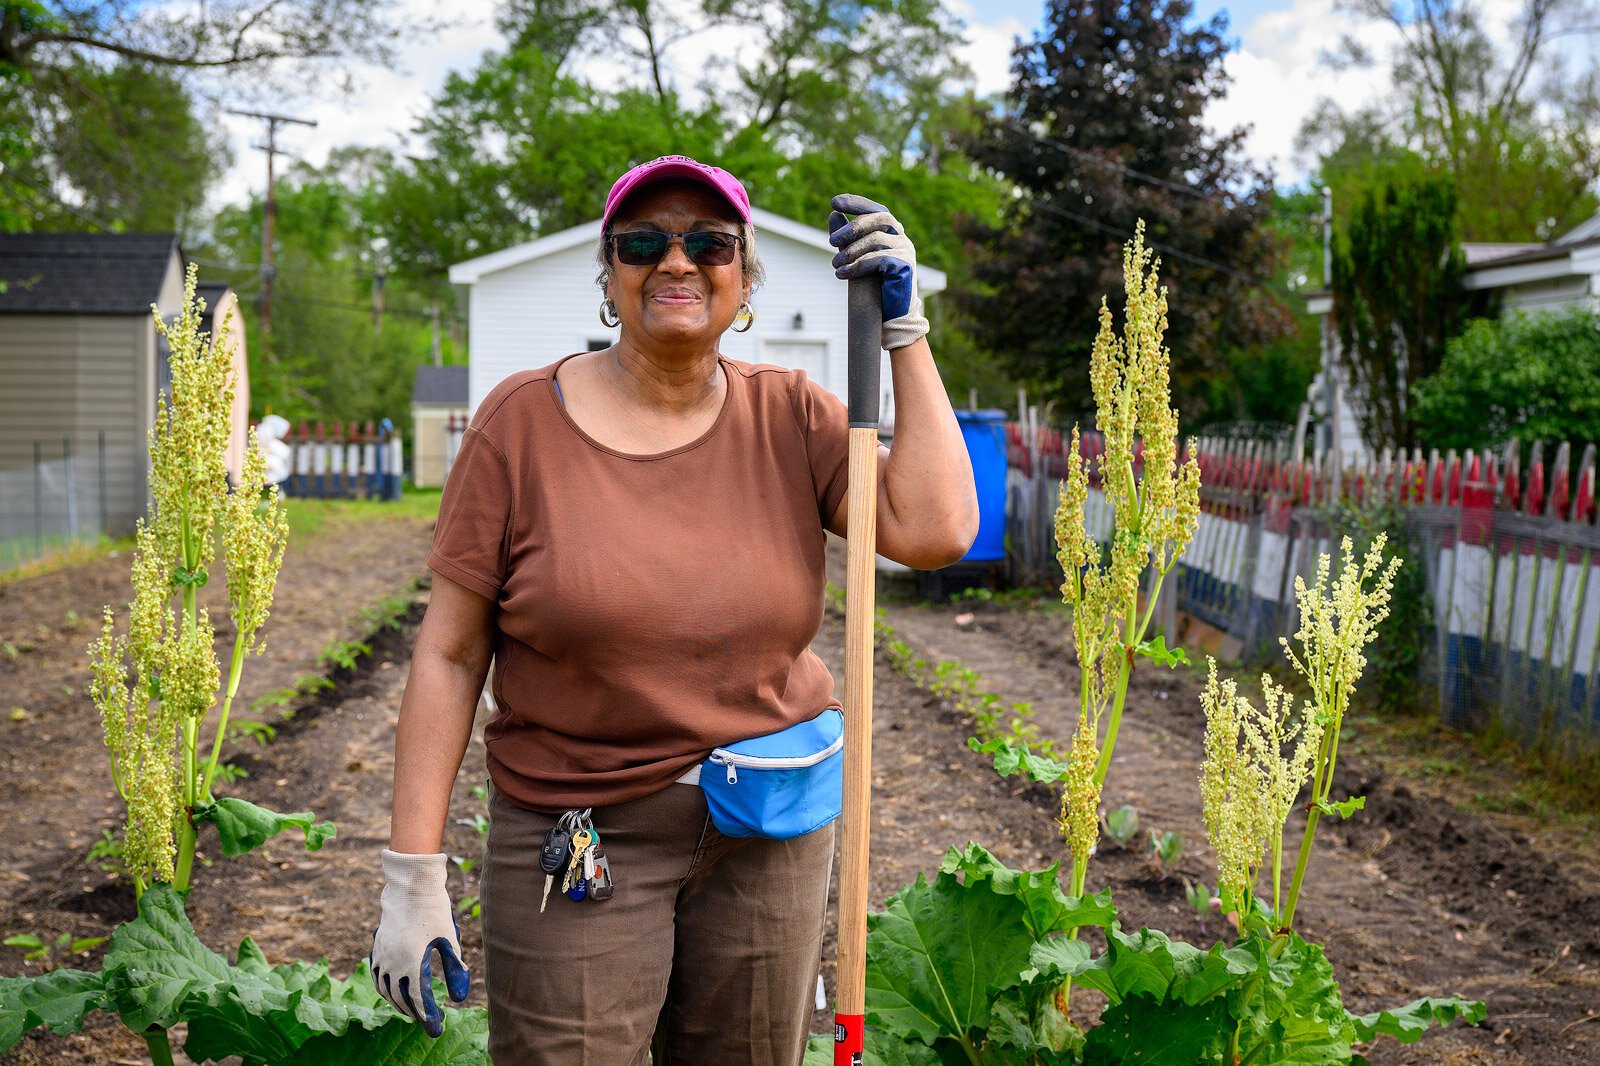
pixel 1412 897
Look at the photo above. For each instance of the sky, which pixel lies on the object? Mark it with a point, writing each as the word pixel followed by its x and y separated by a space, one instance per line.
pixel 1273 65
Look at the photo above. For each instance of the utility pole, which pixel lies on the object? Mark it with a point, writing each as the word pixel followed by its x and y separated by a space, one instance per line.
pixel 269 270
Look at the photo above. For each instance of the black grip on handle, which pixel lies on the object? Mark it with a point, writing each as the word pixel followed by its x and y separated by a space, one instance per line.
pixel 865 350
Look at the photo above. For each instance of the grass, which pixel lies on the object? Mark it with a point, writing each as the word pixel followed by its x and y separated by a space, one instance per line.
pixel 61 557
pixel 309 516
pixel 1551 791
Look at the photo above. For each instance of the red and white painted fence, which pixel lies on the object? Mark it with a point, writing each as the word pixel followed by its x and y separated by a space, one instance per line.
pixel 336 460
pixel 1506 538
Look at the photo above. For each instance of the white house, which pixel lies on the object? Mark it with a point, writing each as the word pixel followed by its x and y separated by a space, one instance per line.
pixel 1529 277
pixel 530 304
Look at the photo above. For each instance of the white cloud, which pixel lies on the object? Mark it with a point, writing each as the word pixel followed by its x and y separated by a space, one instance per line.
pixel 383 108
pixel 1277 77
pixel 987 50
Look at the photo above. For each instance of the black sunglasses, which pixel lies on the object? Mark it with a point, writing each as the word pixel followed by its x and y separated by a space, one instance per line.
pixel 704 247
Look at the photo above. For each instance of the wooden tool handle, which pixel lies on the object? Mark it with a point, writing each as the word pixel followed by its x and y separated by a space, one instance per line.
pixel 865 355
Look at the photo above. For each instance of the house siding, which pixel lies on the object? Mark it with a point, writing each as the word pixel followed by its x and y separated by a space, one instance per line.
pixel 1557 294
pixel 69 378
pixel 115 370
pixel 531 314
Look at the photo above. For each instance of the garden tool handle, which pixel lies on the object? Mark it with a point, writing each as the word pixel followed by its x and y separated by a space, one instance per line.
pixel 865 359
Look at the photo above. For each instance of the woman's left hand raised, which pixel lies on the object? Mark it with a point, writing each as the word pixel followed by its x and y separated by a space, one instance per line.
pixel 874 242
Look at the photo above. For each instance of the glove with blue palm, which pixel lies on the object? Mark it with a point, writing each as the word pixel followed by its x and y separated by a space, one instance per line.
pixel 874 242
pixel 417 919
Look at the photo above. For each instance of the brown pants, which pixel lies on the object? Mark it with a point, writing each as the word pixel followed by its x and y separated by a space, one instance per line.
pixel 706 954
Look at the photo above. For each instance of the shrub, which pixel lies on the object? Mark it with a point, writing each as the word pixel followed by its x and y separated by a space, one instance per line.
pixel 1536 377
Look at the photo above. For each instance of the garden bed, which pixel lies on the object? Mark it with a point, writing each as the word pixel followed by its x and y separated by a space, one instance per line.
pixel 1411 898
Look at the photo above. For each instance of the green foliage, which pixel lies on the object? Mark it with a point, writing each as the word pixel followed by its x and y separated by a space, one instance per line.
pixel 1536 377
pixel 1167 848
pixel 343 654
pixel 1501 107
pixel 1398 298
pixel 1012 758
pixel 1393 659
pixel 57 1000
pixel 157 973
pixel 1122 825
pixel 242 826
pixel 34 948
pixel 969 966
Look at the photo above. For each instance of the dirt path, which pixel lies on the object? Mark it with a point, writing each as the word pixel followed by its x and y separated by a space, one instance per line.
pixel 1396 900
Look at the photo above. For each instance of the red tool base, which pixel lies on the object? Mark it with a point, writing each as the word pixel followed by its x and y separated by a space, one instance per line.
pixel 849 1039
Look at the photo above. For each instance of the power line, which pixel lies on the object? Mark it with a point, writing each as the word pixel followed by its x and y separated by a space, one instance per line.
pixel 1127 171
pixel 1176 253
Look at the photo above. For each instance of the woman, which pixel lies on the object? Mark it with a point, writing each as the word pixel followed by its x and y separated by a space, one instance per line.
pixel 635 536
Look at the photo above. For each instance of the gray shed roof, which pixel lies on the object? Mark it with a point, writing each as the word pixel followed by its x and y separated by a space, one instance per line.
pixel 83 273
pixel 440 384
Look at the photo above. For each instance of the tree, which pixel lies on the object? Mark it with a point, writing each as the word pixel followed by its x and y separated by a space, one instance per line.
pixel 1536 377
pixel 1397 299
pixel 1500 109
pixel 1104 126
pixel 102 94
pixel 220 35
pixel 328 358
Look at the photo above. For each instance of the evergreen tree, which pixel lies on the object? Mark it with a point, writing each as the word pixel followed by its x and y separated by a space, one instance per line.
pixel 1110 87
pixel 1397 299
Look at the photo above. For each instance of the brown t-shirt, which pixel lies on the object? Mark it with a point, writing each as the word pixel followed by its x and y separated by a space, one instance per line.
pixel 653 607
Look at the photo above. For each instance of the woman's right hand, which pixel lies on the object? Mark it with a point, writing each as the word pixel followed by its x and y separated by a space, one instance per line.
pixel 417 920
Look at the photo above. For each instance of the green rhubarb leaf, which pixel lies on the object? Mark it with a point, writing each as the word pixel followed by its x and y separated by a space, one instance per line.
pixel 1342 809
pixel 1406 1024
pixel 59 1000
pixel 1155 649
pixel 937 954
pixel 1011 759
pixel 243 826
pixel 402 1042
pixel 1048 909
pixel 1148 1029
pixel 1026 1028
pixel 1146 963
pixel 272 1010
pixel 1296 1015
pixel 155 963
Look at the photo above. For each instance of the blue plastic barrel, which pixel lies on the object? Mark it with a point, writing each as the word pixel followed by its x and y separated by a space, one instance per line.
pixel 985 435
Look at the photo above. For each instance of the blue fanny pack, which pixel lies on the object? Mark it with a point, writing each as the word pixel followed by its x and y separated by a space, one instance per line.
pixel 782 785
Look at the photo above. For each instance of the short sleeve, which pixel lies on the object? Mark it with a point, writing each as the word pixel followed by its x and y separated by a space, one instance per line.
pixel 826 423
pixel 471 542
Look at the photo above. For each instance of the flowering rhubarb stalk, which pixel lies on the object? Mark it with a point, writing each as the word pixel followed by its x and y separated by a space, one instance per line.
pixel 1337 622
pixel 1156 511
pixel 1251 777
pixel 152 726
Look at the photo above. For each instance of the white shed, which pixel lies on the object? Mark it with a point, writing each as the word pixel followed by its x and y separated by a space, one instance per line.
pixel 530 304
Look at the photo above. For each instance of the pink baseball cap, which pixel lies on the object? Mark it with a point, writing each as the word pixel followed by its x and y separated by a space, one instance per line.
pixel 679 166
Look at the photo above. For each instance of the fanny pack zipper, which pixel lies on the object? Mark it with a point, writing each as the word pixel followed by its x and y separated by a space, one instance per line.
pixel 733 760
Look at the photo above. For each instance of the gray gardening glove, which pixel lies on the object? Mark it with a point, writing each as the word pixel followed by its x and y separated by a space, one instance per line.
pixel 874 242
pixel 417 918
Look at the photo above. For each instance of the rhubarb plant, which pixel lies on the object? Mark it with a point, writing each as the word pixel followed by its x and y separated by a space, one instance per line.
pixel 155 687
pixel 1269 997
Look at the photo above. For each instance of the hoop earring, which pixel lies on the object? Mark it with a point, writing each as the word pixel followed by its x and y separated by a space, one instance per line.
pixel 608 314
pixel 746 315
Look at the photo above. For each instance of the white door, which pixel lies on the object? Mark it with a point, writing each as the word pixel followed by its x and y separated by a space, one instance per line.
pixel 810 356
